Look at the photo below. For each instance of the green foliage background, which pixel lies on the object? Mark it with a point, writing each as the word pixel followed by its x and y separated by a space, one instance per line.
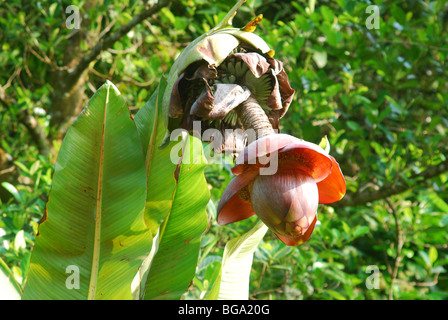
pixel 380 96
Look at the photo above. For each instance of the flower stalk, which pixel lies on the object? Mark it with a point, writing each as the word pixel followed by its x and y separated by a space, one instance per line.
pixel 252 116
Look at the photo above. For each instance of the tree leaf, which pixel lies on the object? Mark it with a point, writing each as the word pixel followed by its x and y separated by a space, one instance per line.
pixel 9 287
pixel 93 228
pixel 439 202
pixel 320 57
pixel 11 189
pixel 325 144
pixel 433 254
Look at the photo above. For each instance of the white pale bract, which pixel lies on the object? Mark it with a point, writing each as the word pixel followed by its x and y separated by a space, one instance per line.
pixel 286 202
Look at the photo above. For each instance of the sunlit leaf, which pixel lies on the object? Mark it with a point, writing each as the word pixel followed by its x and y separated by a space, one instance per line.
pixel 233 283
pixel 93 228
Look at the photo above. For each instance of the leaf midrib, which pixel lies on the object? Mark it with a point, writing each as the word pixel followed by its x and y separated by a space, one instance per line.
pixel 152 140
pixel 97 233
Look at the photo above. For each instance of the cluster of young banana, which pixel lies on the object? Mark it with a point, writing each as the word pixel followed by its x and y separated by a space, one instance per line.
pixel 235 71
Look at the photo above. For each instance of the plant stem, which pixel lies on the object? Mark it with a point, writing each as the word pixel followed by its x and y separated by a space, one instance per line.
pixel 228 19
pixel 253 117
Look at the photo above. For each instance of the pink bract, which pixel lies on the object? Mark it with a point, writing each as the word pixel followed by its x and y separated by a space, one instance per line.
pixel 295 156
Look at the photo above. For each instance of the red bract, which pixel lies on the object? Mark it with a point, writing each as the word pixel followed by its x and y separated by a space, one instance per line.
pixel 282 179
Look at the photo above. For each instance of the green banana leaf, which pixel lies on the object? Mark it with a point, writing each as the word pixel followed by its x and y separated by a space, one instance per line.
pixel 93 237
pixel 160 173
pixel 176 204
pixel 159 168
pixel 180 234
pixel 233 282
